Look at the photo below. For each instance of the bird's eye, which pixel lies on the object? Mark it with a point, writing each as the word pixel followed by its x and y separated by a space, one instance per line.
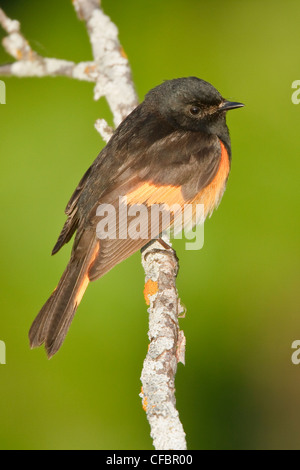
pixel 194 110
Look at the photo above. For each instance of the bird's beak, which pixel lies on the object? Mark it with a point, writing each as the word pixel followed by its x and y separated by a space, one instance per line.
pixel 226 105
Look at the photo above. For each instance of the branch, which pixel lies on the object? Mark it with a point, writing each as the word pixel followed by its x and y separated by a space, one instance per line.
pixel 30 64
pixel 115 81
pixel 166 349
pixel 110 71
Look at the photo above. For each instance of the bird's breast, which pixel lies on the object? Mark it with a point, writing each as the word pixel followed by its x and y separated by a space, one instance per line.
pixel 211 195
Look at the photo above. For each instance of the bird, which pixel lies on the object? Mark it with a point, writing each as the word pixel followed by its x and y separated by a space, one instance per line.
pixel 173 148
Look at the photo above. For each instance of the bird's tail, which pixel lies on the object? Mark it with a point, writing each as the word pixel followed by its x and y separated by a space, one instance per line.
pixel 53 321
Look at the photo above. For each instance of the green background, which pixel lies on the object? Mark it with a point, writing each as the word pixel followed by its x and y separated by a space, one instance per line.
pixel 239 388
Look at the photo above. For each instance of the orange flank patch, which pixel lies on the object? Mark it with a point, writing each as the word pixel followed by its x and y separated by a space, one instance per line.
pixel 151 287
pixel 211 195
pixel 86 280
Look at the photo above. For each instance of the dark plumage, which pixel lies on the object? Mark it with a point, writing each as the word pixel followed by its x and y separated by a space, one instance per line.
pixel 173 146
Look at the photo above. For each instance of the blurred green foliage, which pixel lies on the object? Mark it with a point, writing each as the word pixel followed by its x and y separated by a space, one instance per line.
pixel 239 388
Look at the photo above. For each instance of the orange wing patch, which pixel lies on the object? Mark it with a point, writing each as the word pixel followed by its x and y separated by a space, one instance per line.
pixel 149 193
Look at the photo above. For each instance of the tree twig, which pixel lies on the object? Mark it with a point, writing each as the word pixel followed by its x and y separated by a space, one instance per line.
pixel 30 64
pixel 110 71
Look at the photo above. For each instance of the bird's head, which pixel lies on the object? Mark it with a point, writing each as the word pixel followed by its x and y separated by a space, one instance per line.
pixel 190 103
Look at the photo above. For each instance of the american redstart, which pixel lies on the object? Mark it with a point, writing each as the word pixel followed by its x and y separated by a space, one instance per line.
pixel 174 148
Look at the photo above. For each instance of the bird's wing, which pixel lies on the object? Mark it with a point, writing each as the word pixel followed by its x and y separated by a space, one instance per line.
pixel 176 166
